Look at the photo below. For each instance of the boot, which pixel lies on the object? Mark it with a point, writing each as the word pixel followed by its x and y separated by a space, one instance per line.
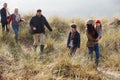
pixel 16 39
pixel 96 62
pixel 35 47
pixel 41 48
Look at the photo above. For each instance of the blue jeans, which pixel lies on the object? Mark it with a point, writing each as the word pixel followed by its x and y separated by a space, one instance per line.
pixel 16 31
pixel 96 49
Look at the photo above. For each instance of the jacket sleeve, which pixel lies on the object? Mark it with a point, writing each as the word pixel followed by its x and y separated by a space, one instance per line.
pixel 47 24
pixel 68 41
pixel 2 14
pixel 31 23
pixel 79 40
pixel 10 19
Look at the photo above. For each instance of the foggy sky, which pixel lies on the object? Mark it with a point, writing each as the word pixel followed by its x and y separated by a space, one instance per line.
pixel 66 8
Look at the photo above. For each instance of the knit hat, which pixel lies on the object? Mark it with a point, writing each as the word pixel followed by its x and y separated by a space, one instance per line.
pixel 90 21
pixel 98 21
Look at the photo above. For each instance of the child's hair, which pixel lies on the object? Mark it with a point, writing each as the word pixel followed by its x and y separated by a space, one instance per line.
pixel 39 10
pixel 73 25
pixel 92 31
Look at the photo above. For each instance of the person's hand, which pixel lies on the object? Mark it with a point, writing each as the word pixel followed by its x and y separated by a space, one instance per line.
pixel 34 28
pixel 97 39
pixel 78 50
pixel 52 33
pixel 22 20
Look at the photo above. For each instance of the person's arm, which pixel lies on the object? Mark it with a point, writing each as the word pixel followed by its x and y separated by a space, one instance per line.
pixel 10 19
pixel 8 11
pixel 68 41
pixel 2 14
pixel 99 35
pixel 79 40
pixel 78 43
pixel 47 24
pixel 31 23
pixel 22 19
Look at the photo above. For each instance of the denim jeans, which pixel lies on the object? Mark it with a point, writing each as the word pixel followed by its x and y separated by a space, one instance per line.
pixel 16 31
pixel 96 49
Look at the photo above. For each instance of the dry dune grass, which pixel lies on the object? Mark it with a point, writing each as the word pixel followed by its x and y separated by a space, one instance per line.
pixel 20 62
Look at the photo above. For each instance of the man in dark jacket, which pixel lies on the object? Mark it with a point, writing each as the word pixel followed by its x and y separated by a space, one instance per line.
pixel 3 13
pixel 73 42
pixel 37 24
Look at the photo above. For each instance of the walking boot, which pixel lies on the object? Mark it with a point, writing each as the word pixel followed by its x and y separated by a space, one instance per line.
pixel 41 48
pixel 97 62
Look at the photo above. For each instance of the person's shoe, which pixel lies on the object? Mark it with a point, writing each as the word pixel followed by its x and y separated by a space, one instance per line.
pixel 41 48
pixel 96 62
pixel 35 47
pixel 16 39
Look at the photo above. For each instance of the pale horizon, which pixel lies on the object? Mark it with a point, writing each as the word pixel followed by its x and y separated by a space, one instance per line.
pixel 66 8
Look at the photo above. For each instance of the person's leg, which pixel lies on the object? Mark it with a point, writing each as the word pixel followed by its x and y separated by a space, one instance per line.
pixel 3 26
pixel 72 51
pixel 15 31
pixel 7 29
pixel 90 53
pixel 97 52
pixel 36 41
pixel 42 40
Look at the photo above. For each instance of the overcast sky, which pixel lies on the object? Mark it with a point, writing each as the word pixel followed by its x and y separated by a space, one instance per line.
pixel 67 8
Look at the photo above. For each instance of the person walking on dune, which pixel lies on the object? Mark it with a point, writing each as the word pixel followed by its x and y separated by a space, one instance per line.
pixel 92 42
pixel 37 24
pixel 16 19
pixel 4 15
pixel 73 42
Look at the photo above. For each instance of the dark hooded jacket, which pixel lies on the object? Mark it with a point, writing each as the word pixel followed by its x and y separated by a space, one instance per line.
pixel 75 38
pixel 39 23
pixel 3 14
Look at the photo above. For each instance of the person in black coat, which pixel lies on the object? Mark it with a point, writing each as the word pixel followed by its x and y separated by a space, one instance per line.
pixel 3 13
pixel 73 42
pixel 37 24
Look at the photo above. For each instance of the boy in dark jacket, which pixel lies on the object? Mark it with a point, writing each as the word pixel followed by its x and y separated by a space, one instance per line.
pixel 37 24
pixel 73 42
pixel 3 13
